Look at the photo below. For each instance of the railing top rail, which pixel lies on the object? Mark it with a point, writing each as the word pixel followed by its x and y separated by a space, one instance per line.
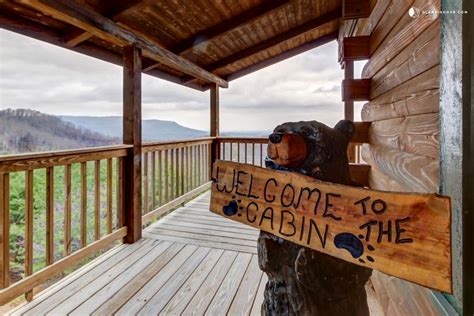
pixel 55 153
pixel 150 147
pixel 228 139
pixel 22 162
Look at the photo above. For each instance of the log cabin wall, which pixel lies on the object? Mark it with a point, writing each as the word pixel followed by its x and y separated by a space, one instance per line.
pixel 403 108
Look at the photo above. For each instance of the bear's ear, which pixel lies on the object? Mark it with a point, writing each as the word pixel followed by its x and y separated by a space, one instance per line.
pixel 346 127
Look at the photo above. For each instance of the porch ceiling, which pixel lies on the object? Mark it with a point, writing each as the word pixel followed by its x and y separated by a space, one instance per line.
pixel 191 43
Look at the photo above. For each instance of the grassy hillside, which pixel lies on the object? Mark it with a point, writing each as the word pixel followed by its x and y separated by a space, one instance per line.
pixel 30 131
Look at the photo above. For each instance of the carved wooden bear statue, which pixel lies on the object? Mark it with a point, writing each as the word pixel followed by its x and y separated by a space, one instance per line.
pixel 302 281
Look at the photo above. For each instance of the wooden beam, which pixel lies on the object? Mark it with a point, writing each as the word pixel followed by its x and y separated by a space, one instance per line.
pixel 228 25
pixel 348 102
pixel 283 56
pixel 107 30
pixel 355 89
pixel 214 126
pixel 355 9
pixel 132 134
pixel 359 173
pixel 356 48
pixel 214 111
pixel 74 36
pixel 38 31
pixel 361 134
pixel 305 27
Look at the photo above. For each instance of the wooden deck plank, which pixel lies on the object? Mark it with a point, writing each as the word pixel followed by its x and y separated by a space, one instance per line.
pixel 119 298
pixel 257 304
pixel 90 305
pixel 165 222
pixel 187 218
pixel 245 296
pixel 191 262
pixel 69 304
pixel 136 303
pixel 223 298
pixel 206 292
pixel 202 243
pixel 67 280
pixel 181 299
pixel 165 294
pixel 227 240
pixel 71 285
pixel 210 232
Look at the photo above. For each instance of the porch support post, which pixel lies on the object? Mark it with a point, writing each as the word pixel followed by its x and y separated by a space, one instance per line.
pixel 132 134
pixel 215 152
pixel 349 105
pixel 457 143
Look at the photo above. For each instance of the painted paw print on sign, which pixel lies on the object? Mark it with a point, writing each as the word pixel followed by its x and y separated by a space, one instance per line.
pixel 232 207
pixel 353 245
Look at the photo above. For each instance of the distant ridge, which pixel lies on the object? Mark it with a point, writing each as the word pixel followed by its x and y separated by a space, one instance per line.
pixel 152 130
pixel 23 130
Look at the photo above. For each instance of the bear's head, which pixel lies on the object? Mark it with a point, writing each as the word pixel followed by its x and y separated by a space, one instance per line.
pixel 311 148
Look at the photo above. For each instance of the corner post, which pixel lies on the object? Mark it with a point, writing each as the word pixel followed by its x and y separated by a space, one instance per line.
pixel 132 135
pixel 349 105
pixel 214 130
pixel 457 143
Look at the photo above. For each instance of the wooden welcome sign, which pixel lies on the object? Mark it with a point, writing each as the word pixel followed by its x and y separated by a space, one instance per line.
pixel 402 234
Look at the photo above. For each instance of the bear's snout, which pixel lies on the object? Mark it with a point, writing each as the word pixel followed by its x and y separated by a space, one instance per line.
pixel 288 150
pixel 275 138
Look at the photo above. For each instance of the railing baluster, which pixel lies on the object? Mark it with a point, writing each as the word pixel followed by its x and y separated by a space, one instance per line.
pixel 187 169
pixel 29 228
pixel 49 215
pixel 167 197
pixel 209 147
pixel 182 170
pixel 153 179
pixel 118 194
pixel 196 165
pixel 231 151
pixel 191 166
pixel 145 181
pixel 97 200
pixel 160 177
pixel 5 230
pixel 245 151
pixel 238 151
pixel 253 153
pixel 223 150
pixel 109 195
pixel 177 173
pixel 172 174
pixel 67 212
pixel 261 155
pixel 84 204
pixel 199 166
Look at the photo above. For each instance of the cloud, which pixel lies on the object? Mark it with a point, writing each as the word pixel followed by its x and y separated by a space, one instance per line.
pixel 34 74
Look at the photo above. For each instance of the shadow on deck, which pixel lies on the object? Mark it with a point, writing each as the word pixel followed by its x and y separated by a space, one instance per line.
pixel 190 262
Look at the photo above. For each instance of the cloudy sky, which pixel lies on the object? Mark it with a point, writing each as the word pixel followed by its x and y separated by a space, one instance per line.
pixel 53 80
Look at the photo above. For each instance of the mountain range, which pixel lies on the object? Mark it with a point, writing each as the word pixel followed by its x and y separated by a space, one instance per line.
pixel 25 130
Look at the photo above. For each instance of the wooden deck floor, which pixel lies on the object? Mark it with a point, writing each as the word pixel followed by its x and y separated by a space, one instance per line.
pixel 191 262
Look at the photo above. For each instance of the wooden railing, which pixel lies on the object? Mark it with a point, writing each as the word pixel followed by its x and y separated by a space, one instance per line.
pixel 74 200
pixel 251 150
pixel 173 172
pixel 45 192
